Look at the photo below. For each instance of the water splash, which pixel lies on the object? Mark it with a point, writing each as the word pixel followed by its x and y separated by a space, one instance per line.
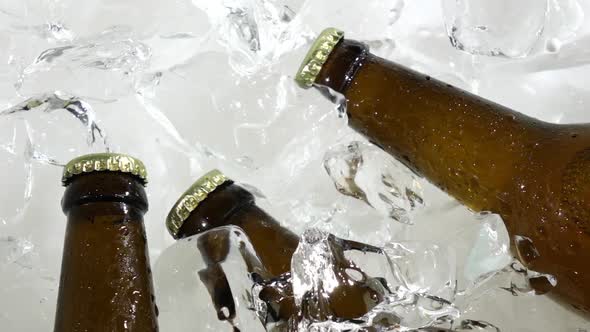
pixel 330 274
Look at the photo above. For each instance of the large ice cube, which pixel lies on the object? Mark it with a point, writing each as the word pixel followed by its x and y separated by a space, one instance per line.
pixel 495 27
pixel 93 16
pixel 113 58
pixel 268 126
pixel 255 33
pixel 16 175
pixel 424 268
pixel 508 294
pixel 26 283
pixel 205 283
pixel 59 127
pixel 364 172
pixel 368 20
pixel 491 250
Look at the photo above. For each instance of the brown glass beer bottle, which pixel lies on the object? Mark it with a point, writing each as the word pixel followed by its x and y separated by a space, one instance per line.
pixel 106 282
pixel 534 174
pixel 215 201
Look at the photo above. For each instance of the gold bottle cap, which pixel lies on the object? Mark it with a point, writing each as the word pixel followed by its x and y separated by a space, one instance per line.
pixel 191 198
pixel 317 56
pixel 102 162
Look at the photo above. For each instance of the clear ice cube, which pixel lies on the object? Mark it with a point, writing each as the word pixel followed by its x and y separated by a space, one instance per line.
pixel 491 251
pixel 508 294
pixel 59 127
pixel 364 172
pixel 17 174
pixel 371 21
pixel 205 282
pixel 495 27
pixel 255 33
pixel 112 58
pixel 93 16
pixel 26 283
pixel 565 21
pixel 424 268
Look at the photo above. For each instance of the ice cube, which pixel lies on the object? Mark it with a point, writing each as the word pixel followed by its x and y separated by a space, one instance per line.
pixel 270 125
pixel 93 16
pixel 112 56
pixel 505 297
pixel 59 127
pixel 424 268
pixel 364 172
pixel 495 27
pixel 491 251
pixel 30 288
pixel 16 176
pixel 255 33
pixel 205 282
pixel 564 21
pixel 368 20
pixel 16 251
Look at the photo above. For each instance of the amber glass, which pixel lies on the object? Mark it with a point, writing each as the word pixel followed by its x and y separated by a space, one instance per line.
pixel 106 281
pixel 230 204
pixel 534 174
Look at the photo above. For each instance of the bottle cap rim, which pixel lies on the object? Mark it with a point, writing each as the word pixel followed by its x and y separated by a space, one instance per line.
pixel 104 162
pixel 191 199
pixel 317 56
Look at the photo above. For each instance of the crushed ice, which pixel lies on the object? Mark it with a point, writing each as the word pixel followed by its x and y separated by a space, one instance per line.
pixel 181 72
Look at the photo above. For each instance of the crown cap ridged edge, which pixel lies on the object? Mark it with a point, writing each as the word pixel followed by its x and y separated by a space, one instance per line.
pixel 104 162
pixel 191 199
pixel 317 56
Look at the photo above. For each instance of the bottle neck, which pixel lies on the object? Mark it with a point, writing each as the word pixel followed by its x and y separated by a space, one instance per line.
pixel 231 204
pixel 217 209
pixel 342 65
pixel 105 276
pixel 114 187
